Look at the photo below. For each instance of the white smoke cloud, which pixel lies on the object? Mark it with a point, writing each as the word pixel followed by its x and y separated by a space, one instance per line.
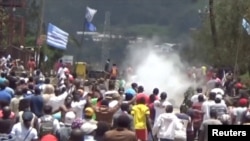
pixel 158 70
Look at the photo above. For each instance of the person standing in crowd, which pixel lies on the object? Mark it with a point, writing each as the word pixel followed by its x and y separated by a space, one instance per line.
pixel 141 114
pixel 160 105
pixel 6 122
pixel 199 91
pixel 63 133
pixel 124 110
pixel 121 131
pixel 76 135
pixel 14 104
pixel 207 104
pixel 24 131
pixel 197 115
pixel 166 124
pixel 107 68
pixel 204 126
pixel 36 103
pixel 31 66
pixel 114 72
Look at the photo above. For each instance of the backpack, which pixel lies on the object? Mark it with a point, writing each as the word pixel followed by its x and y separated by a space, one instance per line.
pixel 46 125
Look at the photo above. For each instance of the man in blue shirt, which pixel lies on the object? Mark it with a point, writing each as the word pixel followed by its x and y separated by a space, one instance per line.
pixel 4 95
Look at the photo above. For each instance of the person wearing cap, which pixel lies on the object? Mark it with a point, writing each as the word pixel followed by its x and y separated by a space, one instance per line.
pixel 63 133
pixel 238 112
pixel 24 131
pixel 89 125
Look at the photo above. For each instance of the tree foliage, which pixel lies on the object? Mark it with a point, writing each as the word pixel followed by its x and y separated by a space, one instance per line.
pixel 231 35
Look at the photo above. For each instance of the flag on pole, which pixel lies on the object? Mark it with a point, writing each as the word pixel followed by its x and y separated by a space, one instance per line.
pixel 88 25
pixel 246 25
pixel 90 13
pixel 56 37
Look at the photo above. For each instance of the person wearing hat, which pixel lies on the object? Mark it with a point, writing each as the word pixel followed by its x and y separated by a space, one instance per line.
pixel 63 133
pixel 23 130
pixel 89 125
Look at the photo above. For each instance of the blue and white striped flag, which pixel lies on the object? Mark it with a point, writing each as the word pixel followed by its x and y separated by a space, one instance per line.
pixel 90 13
pixel 56 37
pixel 246 25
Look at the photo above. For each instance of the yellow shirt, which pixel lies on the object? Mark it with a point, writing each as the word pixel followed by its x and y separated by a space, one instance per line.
pixel 140 112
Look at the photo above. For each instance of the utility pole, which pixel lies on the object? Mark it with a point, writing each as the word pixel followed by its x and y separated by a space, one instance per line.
pixel 105 40
pixel 39 32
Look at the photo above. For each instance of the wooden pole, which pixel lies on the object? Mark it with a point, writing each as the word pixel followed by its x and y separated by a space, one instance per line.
pixel 39 32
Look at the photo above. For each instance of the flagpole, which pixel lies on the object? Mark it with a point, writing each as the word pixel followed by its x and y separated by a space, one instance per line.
pixel 236 66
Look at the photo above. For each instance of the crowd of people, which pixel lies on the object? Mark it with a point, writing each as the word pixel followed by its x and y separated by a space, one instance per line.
pixel 32 108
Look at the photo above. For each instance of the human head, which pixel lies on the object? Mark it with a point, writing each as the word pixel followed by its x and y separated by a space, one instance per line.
pixel 105 102
pixel 88 113
pixel 201 98
pixel 69 118
pixel 199 90
pixel 134 86
pixel 140 89
pixel 163 96
pixel 6 112
pixel 213 114
pixel 76 135
pixel 19 92
pixel 217 100
pixel 68 100
pixel 169 109
pixel 47 109
pixel 212 96
pixel 217 85
pixel 123 121
pixel 155 91
pixel 2 86
pixel 37 91
pixel 47 81
pixel 27 118
pixel 125 107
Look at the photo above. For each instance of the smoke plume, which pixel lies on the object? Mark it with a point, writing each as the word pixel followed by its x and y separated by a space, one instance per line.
pixel 156 69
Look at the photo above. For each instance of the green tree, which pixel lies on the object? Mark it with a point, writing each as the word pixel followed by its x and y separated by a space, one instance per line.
pixel 230 34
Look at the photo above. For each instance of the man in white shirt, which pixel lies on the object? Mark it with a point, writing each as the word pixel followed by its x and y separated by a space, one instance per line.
pixel 218 89
pixel 24 131
pixel 166 125
pixel 78 104
pixel 160 105
pixel 205 108
pixel 194 98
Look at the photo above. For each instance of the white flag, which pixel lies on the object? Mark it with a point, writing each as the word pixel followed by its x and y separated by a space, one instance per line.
pixel 246 26
pixel 56 37
pixel 90 13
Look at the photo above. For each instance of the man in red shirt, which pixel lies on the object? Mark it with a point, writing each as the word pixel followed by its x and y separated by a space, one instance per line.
pixel 141 94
